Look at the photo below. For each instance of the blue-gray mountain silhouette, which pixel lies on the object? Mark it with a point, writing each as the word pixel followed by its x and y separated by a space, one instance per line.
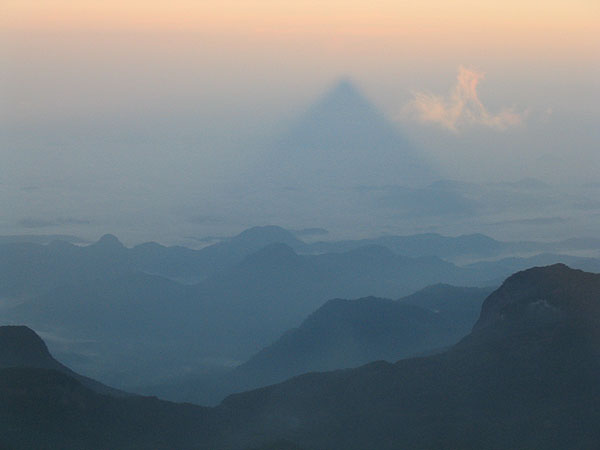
pixel 342 334
pixel 21 347
pixel 526 377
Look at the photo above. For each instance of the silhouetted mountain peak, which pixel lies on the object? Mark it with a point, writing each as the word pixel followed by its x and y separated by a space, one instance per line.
pixel 109 242
pixel 20 346
pixel 543 296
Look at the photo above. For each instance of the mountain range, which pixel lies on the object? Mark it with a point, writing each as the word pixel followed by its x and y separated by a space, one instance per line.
pixel 525 377
pixel 28 268
pixel 84 298
pixel 230 315
pixel 342 334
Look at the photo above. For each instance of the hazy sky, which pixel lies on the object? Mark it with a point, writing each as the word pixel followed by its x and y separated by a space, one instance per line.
pixel 120 98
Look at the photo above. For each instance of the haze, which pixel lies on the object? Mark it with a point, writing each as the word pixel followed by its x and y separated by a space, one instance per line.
pixel 257 224
pixel 152 119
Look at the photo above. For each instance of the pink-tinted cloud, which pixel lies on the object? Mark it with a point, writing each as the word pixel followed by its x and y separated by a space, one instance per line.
pixel 461 108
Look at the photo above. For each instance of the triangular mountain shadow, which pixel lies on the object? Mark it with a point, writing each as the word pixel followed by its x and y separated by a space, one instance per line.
pixel 342 119
pixel 344 140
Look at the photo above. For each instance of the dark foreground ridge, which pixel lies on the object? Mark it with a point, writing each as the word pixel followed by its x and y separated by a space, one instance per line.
pixel 20 346
pixel 526 377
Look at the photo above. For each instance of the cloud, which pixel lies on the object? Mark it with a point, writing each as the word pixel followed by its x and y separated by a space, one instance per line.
pixel 461 108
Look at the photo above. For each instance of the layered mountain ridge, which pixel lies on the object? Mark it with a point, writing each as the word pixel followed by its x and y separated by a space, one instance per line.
pixel 214 308
pixel 523 383
pixel 518 381
pixel 343 334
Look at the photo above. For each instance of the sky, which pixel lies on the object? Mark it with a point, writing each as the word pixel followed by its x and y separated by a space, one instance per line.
pixel 105 103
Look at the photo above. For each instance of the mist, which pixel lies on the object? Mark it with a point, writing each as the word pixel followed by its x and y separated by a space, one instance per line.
pixel 299 224
pixel 139 132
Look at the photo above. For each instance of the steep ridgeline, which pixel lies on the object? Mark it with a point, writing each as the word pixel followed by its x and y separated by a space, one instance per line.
pixel 21 347
pixel 195 265
pixel 343 334
pixel 526 377
pixel 221 321
pixel 274 289
pixel 231 315
pixel 350 333
pixel 28 269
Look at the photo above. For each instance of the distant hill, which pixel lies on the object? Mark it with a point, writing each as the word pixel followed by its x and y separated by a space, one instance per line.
pixel 276 286
pixel 188 265
pixel 113 327
pixel 254 287
pixel 460 305
pixel 28 269
pixel 526 377
pixel 467 247
pixel 105 307
pixel 429 244
pixel 342 334
pixel 93 293
pixel 128 317
pixel 496 270
pixel 349 333
pixel 273 289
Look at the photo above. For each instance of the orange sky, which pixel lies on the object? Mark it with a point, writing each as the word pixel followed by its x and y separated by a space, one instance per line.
pixel 433 28
pixel 231 65
pixel 353 37
pixel 306 16
pixel 356 37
